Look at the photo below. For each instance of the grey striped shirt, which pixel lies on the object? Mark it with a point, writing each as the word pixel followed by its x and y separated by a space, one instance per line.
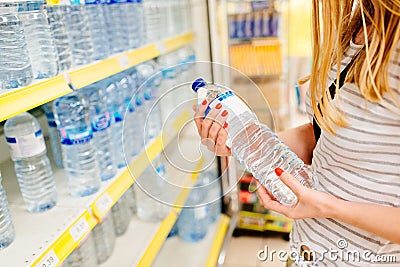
pixel 361 164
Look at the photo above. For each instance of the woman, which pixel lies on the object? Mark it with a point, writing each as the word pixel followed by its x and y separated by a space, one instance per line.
pixel 355 214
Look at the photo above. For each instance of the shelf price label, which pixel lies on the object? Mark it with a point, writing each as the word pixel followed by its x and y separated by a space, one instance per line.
pixel 49 260
pixel 124 61
pixel 104 203
pixel 161 47
pixel 79 229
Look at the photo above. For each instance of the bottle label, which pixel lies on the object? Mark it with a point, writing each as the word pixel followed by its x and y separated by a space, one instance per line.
pixel 70 138
pixel 231 101
pixel 52 123
pixel 26 146
pixel 101 122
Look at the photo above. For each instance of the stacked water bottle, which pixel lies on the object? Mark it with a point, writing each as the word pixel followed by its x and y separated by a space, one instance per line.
pixel 40 41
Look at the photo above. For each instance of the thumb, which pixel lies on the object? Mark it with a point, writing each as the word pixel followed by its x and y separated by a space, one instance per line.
pixel 289 180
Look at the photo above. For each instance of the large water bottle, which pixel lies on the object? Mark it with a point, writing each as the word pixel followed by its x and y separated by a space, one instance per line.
pixel 7 232
pixel 255 145
pixel 140 22
pixel 115 103
pixel 114 12
pixel 152 20
pixel 84 255
pixel 121 214
pixel 98 29
pixel 15 65
pixel 209 179
pixel 55 140
pixel 60 37
pixel 101 126
pixel 104 238
pixel 193 221
pixel 32 166
pixel 38 37
pixel 80 39
pixel 71 113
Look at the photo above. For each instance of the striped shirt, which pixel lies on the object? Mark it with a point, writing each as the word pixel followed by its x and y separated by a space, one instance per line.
pixel 361 163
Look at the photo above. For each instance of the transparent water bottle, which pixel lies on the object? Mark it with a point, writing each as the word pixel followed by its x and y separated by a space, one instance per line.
pixel 98 29
pixel 32 166
pixel 130 194
pixel 80 39
pixel 84 255
pixel 7 232
pixel 15 65
pixel 104 238
pixel 255 145
pixel 114 12
pixel 140 22
pixel 60 37
pixel 71 113
pixel 121 215
pixel 38 38
pixel 152 21
pixel 193 221
pixel 101 126
pixel 55 140
pixel 209 180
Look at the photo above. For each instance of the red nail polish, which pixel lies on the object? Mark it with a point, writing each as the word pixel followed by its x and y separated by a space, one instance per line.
pixel 218 106
pixel 204 102
pixel 224 113
pixel 278 171
pixel 225 125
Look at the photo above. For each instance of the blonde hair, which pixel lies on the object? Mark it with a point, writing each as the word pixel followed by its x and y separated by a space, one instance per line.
pixel 335 23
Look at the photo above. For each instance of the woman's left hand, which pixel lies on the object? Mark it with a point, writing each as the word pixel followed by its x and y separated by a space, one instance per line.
pixel 311 203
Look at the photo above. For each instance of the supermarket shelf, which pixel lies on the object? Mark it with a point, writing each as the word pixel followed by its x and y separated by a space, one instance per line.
pixel 201 253
pixel 264 222
pixel 13 102
pixel 52 235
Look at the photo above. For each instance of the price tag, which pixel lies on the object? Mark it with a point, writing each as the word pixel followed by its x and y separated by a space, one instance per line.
pixel 161 47
pixel 50 260
pixel 80 228
pixel 104 203
pixel 123 61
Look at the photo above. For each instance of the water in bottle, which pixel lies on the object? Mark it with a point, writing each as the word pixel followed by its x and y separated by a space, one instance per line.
pixel 32 166
pixel 193 221
pixel 98 29
pixel 140 22
pixel 42 51
pixel 152 20
pixel 130 193
pixel 15 65
pixel 84 255
pixel 114 12
pixel 60 37
pixel 255 145
pixel 7 232
pixel 121 214
pixel 80 39
pixel 55 141
pixel 100 119
pixel 210 180
pixel 104 238
pixel 71 113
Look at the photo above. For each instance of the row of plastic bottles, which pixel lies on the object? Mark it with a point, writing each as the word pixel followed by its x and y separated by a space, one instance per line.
pixel 38 42
pixel 93 132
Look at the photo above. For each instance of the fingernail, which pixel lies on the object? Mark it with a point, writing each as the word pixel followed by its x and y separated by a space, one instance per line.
pixel 278 171
pixel 218 106
pixel 224 113
pixel 204 102
pixel 225 125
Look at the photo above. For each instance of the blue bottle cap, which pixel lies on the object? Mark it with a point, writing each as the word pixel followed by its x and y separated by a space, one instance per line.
pixel 200 82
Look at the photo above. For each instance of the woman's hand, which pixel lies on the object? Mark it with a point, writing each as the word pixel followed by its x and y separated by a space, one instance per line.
pixel 212 128
pixel 311 203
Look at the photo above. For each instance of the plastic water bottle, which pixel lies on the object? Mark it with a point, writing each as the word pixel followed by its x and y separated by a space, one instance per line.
pixel 152 21
pixel 60 37
pixel 140 22
pixel 84 255
pixel 101 126
pixel 32 166
pixel 121 215
pixel 55 140
pixel 255 145
pixel 7 232
pixel 15 65
pixel 80 39
pixel 115 103
pixel 104 238
pixel 114 11
pixel 209 179
pixel 130 193
pixel 38 37
pixel 71 113
pixel 193 221
pixel 98 29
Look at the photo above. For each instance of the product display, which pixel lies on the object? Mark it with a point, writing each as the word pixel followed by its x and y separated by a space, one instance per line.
pixel 7 232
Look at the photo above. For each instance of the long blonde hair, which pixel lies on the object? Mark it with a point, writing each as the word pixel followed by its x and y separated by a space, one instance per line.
pixel 335 23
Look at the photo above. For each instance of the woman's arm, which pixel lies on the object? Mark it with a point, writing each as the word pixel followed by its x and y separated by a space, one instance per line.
pixel 315 204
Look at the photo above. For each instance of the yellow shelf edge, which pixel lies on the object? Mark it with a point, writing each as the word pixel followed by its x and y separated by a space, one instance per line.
pixel 178 41
pixel 223 225
pixel 22 99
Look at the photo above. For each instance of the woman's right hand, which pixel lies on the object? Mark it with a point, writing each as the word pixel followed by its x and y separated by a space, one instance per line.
pixel 213 128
